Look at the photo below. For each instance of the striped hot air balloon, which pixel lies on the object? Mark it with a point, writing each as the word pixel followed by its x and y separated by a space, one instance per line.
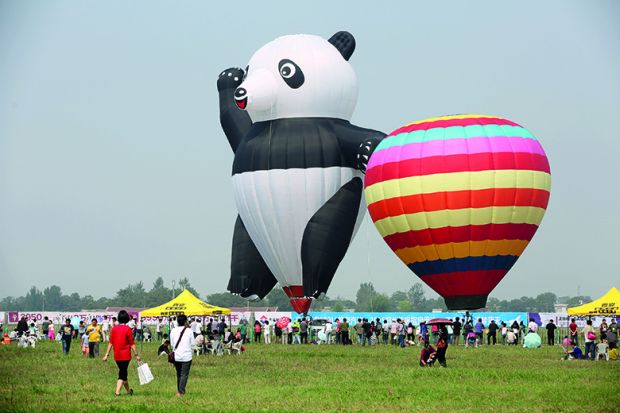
pixel 458 198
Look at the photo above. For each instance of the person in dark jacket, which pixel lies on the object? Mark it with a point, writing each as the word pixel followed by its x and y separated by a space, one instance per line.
pixel 456 330
pixel 22 326
pixel 492 335
pixel 550 332
pixel 442 346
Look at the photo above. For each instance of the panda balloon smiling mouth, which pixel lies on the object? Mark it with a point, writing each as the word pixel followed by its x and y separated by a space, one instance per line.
pixel 241 98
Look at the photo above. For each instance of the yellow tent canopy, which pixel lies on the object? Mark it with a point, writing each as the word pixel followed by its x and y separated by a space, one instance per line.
pixel 185 303
pixel 608 305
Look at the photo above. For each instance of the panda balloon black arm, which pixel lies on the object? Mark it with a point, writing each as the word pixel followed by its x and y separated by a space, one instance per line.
pixel 356 143
pixel 235 122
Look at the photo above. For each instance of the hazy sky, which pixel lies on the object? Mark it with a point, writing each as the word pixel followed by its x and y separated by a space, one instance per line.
pixel 114 168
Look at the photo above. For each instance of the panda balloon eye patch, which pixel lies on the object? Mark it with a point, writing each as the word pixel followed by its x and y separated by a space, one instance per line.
pixel 291 73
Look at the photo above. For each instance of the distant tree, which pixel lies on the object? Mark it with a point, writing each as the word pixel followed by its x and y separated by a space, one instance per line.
pixel 72 302
pixel 381 302
pixel 87 303
pixel 399 296
pixel 364 297
pixel 434 304
pixel 226 300
pixel 416 296
pixel 405 306
pixel 545 302
pixel 185 285
pixel 277 298
pixel 159 294
pixel 52 297
pixel 102 303
pixel 12 304
pixel 493 304
pixel 133 295
pixel 34 299
pixel 578 300
pixel 367 299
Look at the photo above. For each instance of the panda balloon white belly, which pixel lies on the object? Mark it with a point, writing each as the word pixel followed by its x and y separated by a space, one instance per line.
pixel 276 205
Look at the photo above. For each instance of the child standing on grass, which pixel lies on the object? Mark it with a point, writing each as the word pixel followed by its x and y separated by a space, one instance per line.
pixel 51 333
pixel 85 344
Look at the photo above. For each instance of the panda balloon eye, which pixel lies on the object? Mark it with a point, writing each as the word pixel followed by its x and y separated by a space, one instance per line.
pixel 287 70
pixel 291 73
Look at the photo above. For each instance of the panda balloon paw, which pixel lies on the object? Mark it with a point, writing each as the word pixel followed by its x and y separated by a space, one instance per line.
pixel 230 78
pixel 366 149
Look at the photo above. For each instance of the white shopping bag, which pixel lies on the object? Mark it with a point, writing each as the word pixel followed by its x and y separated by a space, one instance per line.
pixel 144 373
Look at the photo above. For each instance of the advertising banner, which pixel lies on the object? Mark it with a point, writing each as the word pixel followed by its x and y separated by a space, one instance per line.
pixel 58 317
pixel 271 316
pixel 563 320
pixel 417 318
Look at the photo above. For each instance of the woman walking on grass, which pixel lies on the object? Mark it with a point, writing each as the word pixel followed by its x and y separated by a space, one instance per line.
pixel 182 343
pixel 121 338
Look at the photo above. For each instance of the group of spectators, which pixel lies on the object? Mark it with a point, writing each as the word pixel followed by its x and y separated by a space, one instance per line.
pixel 601 344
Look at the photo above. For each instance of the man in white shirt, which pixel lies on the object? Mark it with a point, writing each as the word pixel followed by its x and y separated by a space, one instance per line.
pixel 328 332
pixel 532 326
pixel 158 326
pixel 105 329
pixel 194 327
pixel 182 342
pixel 132 324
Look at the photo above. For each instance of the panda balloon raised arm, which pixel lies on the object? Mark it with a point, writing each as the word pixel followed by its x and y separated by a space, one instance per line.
pixel 298 166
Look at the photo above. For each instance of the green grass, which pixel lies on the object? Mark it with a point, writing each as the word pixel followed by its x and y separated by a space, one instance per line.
pixel 315 379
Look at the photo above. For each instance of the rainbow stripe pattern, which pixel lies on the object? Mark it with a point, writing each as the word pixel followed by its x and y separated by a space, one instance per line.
pixel 458 198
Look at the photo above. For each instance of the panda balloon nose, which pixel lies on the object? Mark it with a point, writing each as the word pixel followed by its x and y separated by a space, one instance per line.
pixel 241 97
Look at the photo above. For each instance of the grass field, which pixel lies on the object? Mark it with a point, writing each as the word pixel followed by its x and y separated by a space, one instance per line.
pixel 315 379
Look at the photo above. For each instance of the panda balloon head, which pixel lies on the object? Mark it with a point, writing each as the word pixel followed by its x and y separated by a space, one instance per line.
pixel 288 78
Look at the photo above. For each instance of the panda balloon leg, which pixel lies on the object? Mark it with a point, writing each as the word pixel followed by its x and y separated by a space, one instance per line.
pixel 250 277
pixel 327 236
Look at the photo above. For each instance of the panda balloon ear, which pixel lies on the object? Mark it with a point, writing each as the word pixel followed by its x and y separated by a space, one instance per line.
pixel 344 42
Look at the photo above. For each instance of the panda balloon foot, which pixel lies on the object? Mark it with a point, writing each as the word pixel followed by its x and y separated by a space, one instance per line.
pixel 230 78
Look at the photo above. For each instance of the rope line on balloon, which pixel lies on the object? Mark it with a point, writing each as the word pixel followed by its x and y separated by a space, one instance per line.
pixel 368 254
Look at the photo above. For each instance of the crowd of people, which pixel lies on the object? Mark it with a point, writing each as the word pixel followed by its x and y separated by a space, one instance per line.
pixel 183 337
pixel 596 346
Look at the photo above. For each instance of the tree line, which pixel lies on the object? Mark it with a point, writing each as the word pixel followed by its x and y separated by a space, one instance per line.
pixel 366 299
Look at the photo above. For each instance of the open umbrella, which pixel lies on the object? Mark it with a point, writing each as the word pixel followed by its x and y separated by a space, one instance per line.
pixel 439 321
pixel 283 322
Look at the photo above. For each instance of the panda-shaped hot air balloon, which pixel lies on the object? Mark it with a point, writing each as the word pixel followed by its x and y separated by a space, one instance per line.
pixel 298 165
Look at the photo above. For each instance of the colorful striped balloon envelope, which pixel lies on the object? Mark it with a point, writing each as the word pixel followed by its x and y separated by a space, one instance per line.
pixel 458 198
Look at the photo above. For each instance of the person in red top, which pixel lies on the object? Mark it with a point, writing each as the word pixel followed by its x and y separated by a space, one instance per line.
pixel 121 338
pixel 574 335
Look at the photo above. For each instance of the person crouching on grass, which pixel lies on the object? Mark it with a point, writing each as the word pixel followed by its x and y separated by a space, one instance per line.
pixel 121 338
pixel 427 355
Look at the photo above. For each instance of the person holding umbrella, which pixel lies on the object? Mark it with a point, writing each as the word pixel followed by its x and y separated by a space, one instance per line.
pixel 442 341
